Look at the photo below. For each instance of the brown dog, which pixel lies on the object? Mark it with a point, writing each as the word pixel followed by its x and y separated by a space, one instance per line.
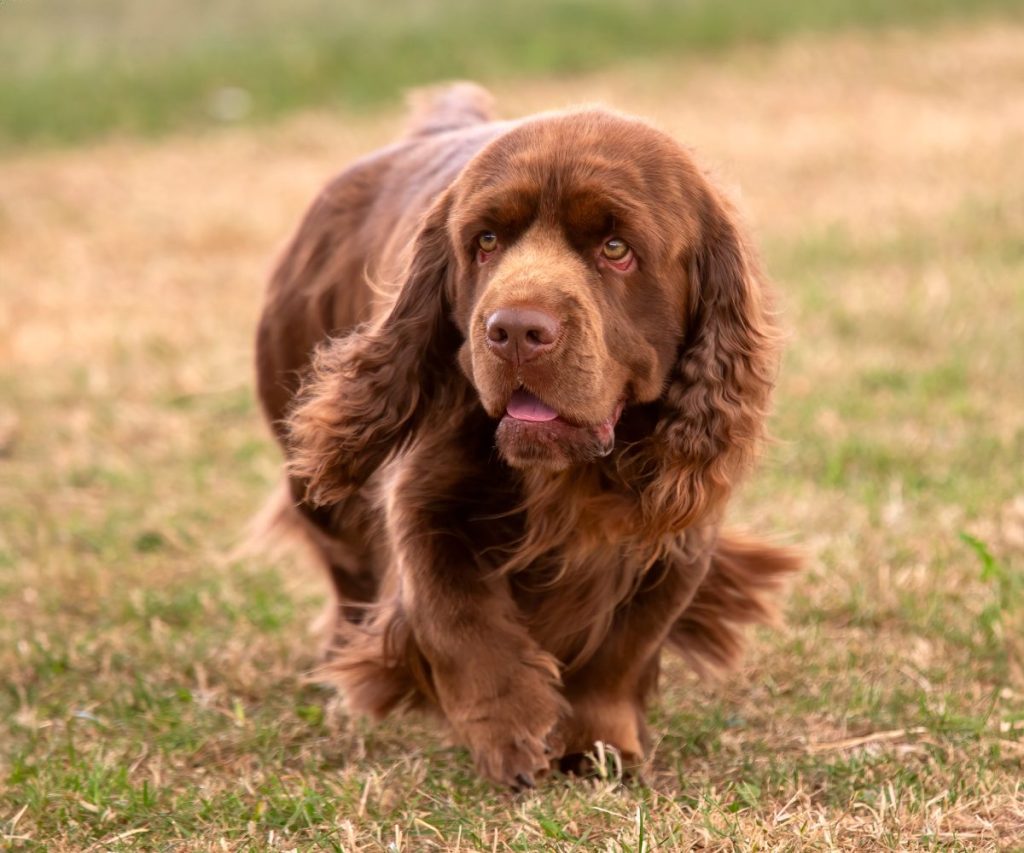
pixel 517 368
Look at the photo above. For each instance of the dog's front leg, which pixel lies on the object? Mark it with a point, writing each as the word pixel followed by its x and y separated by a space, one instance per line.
pixel 498 689
pixel 609 692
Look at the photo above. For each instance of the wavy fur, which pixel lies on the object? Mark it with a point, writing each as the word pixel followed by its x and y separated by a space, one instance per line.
pixel 518 577
pixel 366 393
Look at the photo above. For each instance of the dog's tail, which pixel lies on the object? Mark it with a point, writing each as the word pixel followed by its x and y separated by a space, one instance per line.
pixel 437 109
pixel 740 589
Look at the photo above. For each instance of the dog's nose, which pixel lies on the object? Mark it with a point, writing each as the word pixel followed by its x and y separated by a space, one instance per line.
pixel 519 334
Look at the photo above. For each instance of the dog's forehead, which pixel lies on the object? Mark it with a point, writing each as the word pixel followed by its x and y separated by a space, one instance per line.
pixel 561 149
pixel 581 169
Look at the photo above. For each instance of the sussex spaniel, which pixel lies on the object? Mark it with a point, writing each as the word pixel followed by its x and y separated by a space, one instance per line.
pixel 517 369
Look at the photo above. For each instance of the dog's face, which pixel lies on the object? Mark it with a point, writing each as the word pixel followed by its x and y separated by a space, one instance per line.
pixel 580 264
pixel 570 286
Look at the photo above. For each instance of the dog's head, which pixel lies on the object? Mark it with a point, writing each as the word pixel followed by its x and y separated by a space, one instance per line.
pixel 580 266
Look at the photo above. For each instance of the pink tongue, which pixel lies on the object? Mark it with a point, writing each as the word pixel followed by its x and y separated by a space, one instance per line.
pixel 525 407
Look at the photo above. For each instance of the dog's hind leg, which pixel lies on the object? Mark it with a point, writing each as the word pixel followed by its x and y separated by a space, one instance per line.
pixel 343 540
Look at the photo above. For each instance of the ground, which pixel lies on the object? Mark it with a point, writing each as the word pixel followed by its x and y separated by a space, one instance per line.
pixel 154 692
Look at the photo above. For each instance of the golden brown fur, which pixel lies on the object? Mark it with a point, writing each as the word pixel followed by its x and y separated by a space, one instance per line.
pixel 522 575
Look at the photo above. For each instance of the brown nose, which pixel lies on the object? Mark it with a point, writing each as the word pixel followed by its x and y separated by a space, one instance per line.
pixel 519 334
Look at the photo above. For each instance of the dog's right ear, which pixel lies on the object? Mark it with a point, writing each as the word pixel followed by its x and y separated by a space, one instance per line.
pixel 366 393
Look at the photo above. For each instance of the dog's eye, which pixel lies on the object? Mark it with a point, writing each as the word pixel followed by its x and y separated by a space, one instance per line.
pixel 615 249
pixel 488 241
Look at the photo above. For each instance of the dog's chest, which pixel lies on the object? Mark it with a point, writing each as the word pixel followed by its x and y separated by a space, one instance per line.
pixel 568 596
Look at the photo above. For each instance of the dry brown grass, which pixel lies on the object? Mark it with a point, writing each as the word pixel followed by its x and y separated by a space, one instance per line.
pixel 884 175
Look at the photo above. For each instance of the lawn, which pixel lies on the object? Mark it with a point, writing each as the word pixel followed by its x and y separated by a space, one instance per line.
pixel 76 71
pixel 153 690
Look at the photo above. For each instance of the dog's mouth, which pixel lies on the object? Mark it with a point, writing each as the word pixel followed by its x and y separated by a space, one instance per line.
pixel 532 431
pixel 529 408
pixel 524 406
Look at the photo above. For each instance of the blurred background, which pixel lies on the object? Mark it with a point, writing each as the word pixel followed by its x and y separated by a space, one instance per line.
pixel 153 159
pixel 74 71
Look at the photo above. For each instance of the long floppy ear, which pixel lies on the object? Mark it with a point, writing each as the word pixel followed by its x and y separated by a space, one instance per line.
pixel 712 412
pixel 366 393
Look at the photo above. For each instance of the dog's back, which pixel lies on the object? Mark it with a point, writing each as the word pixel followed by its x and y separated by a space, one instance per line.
pixel 336 272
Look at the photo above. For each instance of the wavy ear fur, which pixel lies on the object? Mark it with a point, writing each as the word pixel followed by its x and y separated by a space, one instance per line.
pixel 712 412
pixel 366 393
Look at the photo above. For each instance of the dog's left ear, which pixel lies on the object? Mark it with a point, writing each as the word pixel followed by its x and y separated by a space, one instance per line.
pixel 712 412
pixel 367 393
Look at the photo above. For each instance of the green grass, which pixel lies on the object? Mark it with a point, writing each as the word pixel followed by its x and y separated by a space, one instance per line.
pixel 75 73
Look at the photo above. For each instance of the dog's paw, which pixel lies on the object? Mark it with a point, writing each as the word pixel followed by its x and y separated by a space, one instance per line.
pixel 514 742
pixel 613 721
pixel 516 759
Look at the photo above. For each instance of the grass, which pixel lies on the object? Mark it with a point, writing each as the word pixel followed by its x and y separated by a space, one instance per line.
pixel 118 66
pixel 152 692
